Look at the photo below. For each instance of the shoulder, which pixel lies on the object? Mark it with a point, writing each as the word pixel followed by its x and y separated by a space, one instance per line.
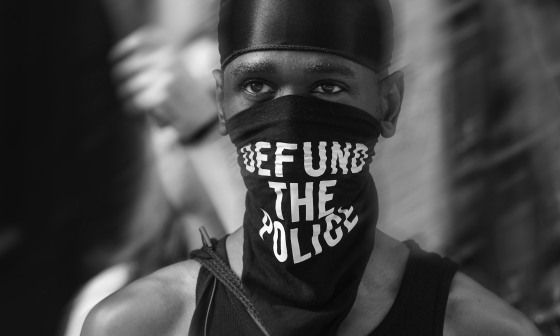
pixel 474 310
pixel 159 304
pixel 95 290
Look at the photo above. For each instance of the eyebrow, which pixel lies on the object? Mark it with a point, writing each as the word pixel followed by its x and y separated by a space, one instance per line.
pixel 329 68
pixel 312 67
pixel 254 67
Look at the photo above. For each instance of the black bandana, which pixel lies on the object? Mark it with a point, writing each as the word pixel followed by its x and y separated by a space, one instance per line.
pixel 359 30
pixel 311 209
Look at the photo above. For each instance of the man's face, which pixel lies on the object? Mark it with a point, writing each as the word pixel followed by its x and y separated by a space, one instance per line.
pixel 261 76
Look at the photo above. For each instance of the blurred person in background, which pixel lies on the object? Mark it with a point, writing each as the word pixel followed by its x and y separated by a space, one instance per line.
pixel 163 69
pixel 290 77
pixel 75 164
pixel 84 189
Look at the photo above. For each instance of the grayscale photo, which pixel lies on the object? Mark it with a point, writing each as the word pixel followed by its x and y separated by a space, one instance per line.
pixel 280 168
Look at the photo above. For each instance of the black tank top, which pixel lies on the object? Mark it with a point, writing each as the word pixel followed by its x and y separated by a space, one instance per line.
pixel 418 309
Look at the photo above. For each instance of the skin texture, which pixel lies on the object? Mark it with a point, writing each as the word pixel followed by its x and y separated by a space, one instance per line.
pixel 261 76
pixel 163 303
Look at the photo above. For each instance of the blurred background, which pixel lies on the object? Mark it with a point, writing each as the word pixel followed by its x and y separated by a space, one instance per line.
pixel 112 158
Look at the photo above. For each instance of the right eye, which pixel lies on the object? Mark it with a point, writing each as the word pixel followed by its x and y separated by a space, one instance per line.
pixel 255 87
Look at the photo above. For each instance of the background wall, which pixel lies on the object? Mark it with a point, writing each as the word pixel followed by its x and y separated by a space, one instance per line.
pixel 473 171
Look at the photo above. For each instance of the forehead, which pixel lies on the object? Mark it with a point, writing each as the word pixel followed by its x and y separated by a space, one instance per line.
pixel 295 62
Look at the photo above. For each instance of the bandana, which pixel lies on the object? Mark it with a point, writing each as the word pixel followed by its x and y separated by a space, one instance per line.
pixel 359 30
pixel 311 209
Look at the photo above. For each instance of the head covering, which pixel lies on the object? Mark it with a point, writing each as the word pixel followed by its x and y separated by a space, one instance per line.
pixel 359 30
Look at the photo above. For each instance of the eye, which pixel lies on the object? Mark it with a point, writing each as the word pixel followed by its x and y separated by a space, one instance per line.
pixel 328 88
pixel 255 87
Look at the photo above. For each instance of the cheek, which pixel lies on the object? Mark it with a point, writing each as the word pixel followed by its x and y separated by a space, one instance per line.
pixel 369 104
pixel 363 93
pixel 368 94
pixel 234 102
pixel 378 113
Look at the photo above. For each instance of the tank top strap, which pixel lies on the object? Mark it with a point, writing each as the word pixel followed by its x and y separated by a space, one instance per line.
pixel 419 308
pixel 205 288
pixel 218 311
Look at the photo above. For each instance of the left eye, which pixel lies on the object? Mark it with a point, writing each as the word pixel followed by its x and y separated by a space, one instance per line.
pixel 327 88
pixel 257 87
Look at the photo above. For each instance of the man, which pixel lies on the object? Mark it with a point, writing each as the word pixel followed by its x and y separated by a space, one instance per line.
pixel 304 93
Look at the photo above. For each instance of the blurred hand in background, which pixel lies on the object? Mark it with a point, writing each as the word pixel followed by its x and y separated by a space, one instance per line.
pixel 152 78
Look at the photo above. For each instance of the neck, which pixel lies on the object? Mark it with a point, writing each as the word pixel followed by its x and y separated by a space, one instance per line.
pixel 378 287
pixel 387 253
pixel 234 247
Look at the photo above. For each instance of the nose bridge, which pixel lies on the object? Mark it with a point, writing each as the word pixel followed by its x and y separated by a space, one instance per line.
pixel 293 89
pixel 295 82
pixel 294 79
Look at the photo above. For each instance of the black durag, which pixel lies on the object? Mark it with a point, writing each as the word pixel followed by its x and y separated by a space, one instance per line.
pixel 359 30
pixel 311 204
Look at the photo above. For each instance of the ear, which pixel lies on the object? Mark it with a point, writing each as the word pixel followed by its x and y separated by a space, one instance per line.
pixel 392 91
pixel 219 77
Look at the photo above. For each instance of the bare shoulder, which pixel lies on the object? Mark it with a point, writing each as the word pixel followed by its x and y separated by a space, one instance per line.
pixel 160 304
pixel 474 310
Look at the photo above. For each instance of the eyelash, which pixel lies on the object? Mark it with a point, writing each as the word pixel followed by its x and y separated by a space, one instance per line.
pixel 242 87
pixel 333 83
pixel 245 84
